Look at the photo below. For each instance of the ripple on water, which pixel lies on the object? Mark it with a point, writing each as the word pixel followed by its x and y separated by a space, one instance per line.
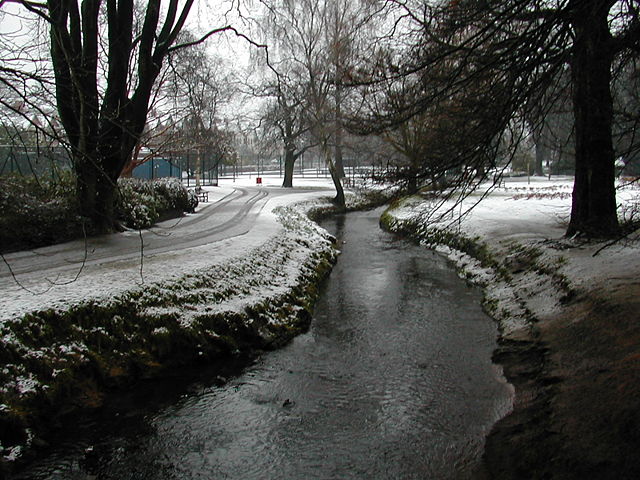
pixel 393 380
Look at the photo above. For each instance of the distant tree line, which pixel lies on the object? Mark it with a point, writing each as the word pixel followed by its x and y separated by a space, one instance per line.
pixel 454 92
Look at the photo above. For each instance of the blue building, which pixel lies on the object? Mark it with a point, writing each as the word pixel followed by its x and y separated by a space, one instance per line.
pixel 157 168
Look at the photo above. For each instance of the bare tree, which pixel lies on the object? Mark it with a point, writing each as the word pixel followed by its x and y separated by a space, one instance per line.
pixel 288 117
pixel 105 66
pixel 301 88
pixel 103 127
pixel 199 91
pixel 511 52
pixel 313 44
pixel 26 79
pixel 283 118
pixel 626 93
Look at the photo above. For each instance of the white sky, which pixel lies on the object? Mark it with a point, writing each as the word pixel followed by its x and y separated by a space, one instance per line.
pixel 16 25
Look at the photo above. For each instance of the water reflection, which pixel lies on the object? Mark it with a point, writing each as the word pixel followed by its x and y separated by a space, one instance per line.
pixel 393 380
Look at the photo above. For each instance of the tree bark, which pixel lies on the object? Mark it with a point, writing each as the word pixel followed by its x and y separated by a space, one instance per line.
pixel 338 155
pixel 338 148
pixel 540 151
pixel 339 199
pixel 127 171
pixel 593 210
pixel 412 180
pixel 102 133
pixel 289 163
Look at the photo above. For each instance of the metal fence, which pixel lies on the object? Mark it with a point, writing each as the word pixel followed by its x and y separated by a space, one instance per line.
pixel 192 167
pixel 52 162
pixel 41 162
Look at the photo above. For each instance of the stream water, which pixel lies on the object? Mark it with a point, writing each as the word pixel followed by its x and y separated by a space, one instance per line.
pixel 393 381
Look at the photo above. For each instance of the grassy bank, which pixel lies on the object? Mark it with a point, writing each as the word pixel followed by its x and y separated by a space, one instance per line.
pixel 64 360
pixel 59 360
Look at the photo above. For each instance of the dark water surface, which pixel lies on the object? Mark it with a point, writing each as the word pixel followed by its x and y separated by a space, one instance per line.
pixel 393 381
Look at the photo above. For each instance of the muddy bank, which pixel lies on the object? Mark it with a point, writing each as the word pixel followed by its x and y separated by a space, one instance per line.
pixel 577 410
pixel 571 352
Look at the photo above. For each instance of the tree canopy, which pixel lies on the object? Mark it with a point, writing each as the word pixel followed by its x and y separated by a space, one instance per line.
pixel 456 86
pixel 504 63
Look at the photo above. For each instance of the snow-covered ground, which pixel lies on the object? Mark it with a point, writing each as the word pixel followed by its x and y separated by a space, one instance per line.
pixel 58 288
pixel 521 217
pixel 527 267
pixel 568 316
pixel 255 256
pixel 523 222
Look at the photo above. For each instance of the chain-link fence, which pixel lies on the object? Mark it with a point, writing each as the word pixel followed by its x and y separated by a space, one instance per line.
pixel 42 162
pixel 50 163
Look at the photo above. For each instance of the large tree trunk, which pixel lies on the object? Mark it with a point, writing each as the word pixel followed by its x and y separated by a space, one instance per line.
pixel 96 193
pixel 412 185
pixel 537 167
pixel 105 214
pixel 412 180
pixel 593 211
pixel 289 163
pixel 103 130
pixel 338 153
pixel 338 148
pixel 339 199
pixel 86 188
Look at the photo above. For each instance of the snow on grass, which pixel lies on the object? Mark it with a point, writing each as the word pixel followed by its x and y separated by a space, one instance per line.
pixel 58 289
pixel 255 284
pixel 264 273
pixel 251 290
pixel 512 243
pixel 101 281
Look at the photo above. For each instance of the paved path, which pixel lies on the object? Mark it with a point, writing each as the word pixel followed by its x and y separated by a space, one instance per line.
pixel 235 221
pixel 230 216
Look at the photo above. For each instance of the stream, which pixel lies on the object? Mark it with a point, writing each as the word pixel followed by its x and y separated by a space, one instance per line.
pixel 393 380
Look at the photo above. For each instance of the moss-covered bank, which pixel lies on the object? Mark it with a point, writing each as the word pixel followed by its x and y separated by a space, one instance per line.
pixel 55 361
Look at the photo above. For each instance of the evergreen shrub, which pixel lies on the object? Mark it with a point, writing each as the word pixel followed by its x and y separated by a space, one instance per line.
pixel 36 212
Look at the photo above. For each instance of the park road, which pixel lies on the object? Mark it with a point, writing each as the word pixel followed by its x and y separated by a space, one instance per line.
pixel 237 219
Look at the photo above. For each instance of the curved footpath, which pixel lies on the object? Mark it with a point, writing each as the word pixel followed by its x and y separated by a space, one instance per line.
pixel 569 327
pixel 66 341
